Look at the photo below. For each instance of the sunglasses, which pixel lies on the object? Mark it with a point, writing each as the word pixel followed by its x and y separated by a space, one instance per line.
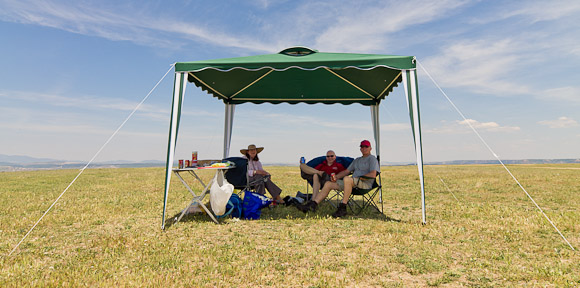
pixel 330 156
pixel 364 146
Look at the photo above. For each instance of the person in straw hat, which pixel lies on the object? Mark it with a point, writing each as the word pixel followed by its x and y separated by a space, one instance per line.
pixel 256 172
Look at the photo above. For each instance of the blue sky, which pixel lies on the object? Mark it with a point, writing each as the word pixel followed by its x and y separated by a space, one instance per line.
pixel 71 72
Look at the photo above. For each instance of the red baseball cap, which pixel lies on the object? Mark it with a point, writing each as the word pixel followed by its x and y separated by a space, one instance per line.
pixel 365 143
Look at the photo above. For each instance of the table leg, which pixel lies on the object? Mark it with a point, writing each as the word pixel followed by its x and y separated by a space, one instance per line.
pixel 196 198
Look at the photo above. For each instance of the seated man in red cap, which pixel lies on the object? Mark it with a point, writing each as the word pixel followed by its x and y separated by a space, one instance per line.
pixel 367 165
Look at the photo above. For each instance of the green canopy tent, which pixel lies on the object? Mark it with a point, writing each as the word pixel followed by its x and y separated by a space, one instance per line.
pixel 299 75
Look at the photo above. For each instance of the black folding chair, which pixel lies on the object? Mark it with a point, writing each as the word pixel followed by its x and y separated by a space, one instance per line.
pixel 367 196
pixel 239 175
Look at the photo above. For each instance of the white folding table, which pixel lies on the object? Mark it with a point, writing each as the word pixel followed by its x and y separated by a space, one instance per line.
pixel 198 199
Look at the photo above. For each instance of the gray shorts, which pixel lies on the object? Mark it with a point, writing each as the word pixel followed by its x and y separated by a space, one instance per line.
pixel 358 183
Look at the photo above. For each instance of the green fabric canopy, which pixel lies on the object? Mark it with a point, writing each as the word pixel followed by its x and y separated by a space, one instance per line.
pixel 299 75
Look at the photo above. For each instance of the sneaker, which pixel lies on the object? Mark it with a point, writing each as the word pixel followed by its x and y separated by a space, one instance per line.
pixel 313 205
pixel 288 200
pixel 302 207
pixel 340 212
pixel 307 207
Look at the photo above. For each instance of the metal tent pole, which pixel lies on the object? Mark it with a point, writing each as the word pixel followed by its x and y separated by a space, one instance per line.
pixel 228 125
pixel 377 133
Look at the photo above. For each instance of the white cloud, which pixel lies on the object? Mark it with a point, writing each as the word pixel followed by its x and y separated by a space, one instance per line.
pixel 68 129
pixel 300 121
pixel 305 121
pixel 187 30
pixel 352 26
pixel 121 23
pixel 533 11
pixel 80 101
pixel 366 28
pixel 265 4
pixel 502 49
pixel 568 94
pixel 105 107
pixel 56 128
pixel 396 127
pixel 482 66
pixel 488 126
pixel 546 10
pixel 562 122
pixel 463 127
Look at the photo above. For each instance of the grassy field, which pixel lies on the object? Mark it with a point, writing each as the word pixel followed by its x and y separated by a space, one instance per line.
pixel 482 231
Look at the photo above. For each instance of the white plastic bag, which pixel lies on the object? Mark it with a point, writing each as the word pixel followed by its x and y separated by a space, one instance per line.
pixel 220 193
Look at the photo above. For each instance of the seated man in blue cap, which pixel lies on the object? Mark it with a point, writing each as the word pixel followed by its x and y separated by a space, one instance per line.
pixel 367 165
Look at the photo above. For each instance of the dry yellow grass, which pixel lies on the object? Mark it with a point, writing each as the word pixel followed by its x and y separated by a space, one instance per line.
pixel 482 231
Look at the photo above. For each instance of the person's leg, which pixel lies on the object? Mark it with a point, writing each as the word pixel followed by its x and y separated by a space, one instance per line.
pixel 274 190
pixel 348 184
pixel 341 210
pixel 315 185
pixel 329 185
pixel 313 204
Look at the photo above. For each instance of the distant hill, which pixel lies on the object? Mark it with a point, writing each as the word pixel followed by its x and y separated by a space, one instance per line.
pixel 18 163
pixel 23 159
pixel 522 161
pixel 4 167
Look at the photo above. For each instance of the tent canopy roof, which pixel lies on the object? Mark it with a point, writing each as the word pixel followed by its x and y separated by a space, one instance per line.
pixel 299 75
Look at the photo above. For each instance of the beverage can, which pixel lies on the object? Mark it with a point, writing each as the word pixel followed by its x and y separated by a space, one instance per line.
pixel 187 164
pixel 194 158
pixel 333 177
pixel 181 164
pixel 302 160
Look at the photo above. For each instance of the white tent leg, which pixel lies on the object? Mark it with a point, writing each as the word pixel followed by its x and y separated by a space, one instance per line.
pixel 178 92
pixel 377 134
pixel 418 139
pixel 410 82
pixel 228 125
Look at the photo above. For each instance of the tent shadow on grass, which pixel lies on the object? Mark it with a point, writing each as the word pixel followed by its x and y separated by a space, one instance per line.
pixel 287 212
pixel 325 210
pixel 198 217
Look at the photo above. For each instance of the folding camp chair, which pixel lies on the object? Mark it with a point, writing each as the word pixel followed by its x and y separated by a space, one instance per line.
pixel 345 161
pixel 367 196
pixel 239 175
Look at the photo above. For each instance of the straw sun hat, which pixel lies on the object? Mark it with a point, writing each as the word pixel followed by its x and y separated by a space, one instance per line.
pixel 250 147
